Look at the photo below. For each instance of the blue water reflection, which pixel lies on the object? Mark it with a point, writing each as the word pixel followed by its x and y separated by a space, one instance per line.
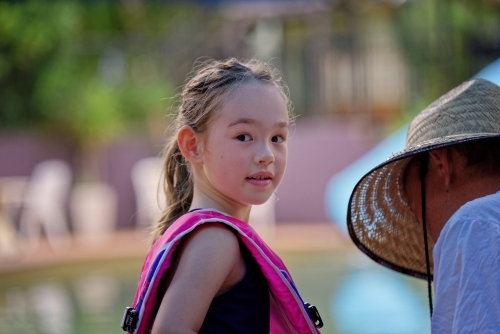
pixel 377 301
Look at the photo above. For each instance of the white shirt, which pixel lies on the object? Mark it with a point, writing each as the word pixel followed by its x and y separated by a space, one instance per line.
pixel 467 270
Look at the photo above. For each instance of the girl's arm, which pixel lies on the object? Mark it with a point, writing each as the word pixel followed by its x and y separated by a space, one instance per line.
pixel 208 263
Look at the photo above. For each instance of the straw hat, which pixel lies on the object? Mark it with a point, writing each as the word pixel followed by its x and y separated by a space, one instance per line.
pixel 379 219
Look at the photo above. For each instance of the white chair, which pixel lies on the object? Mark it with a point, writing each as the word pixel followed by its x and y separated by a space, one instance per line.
pixel 150 199
pixel 12 193
pixel 93 212
pixel 45 204
pixel 8 237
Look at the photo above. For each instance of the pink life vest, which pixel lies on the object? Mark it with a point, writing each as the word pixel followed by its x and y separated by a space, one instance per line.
pixel 288 313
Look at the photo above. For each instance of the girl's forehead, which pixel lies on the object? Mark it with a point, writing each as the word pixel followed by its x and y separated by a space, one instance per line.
pixel 254 100
pixel 252 87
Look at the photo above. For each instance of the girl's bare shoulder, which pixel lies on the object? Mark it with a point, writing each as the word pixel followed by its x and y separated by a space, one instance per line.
pixel 211 241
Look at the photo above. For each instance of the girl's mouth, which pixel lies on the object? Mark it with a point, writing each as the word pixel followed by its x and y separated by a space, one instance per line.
pixel 262 180
pixel 259 178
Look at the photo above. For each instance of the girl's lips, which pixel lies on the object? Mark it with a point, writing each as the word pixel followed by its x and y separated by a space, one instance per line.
pixel 260 179
pixel 259 182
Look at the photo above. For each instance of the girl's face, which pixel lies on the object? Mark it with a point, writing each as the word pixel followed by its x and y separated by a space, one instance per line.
pixel 245 146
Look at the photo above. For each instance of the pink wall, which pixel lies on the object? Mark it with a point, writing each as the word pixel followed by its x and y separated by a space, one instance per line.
pixel 318 148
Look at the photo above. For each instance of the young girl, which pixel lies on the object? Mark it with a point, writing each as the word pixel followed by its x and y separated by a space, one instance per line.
pixel 208 271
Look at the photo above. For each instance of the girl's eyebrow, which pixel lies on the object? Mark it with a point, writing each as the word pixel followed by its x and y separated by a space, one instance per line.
pixel 242 121
pixel 281 125
pixel 252 121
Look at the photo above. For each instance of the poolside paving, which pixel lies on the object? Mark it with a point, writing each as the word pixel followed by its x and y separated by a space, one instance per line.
pixel 286 237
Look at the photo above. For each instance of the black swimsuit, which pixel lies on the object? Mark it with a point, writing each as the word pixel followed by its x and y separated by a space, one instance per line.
pixel 244 308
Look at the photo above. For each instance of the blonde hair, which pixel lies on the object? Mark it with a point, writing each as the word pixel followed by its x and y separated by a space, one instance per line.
pixel 205 91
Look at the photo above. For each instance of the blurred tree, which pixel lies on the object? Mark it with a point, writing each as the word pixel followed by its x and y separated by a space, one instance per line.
pixel 446 42
pixel 75 70
pixel 90 71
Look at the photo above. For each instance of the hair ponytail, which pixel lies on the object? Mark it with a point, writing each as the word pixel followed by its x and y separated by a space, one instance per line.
pixel 177 186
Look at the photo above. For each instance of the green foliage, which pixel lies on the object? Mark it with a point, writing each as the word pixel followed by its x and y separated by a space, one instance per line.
pixel 445 42
pixel 70 68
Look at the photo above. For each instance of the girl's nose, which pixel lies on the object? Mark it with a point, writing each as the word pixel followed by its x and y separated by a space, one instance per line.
pixel 264 155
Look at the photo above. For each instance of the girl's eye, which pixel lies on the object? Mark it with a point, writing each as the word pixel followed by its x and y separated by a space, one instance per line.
pixel 278 139
pixel 244 137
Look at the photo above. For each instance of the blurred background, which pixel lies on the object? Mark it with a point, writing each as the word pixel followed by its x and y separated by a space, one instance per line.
pixel 85 90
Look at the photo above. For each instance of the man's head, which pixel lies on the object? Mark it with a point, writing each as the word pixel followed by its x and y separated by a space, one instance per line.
pixel 454 137
pixel 455 175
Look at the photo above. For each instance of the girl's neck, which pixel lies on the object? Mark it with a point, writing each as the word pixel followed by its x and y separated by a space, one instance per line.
pixel 236 210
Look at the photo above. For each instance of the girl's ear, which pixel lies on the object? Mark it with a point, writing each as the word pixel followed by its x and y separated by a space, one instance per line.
pixel 190 144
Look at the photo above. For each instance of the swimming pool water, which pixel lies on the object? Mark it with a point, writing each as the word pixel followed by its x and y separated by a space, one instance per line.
pixel 90 297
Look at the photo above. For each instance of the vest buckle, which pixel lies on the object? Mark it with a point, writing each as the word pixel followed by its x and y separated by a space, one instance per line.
pixel 129 320
pixel 314 315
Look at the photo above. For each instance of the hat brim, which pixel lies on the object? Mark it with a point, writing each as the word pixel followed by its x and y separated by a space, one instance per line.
pixel 379 220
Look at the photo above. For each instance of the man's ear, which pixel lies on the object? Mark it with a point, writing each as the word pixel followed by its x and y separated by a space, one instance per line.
pixel 190 144
pixel 441 161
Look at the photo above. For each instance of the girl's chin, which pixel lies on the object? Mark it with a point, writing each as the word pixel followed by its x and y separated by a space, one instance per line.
pixel 262 200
